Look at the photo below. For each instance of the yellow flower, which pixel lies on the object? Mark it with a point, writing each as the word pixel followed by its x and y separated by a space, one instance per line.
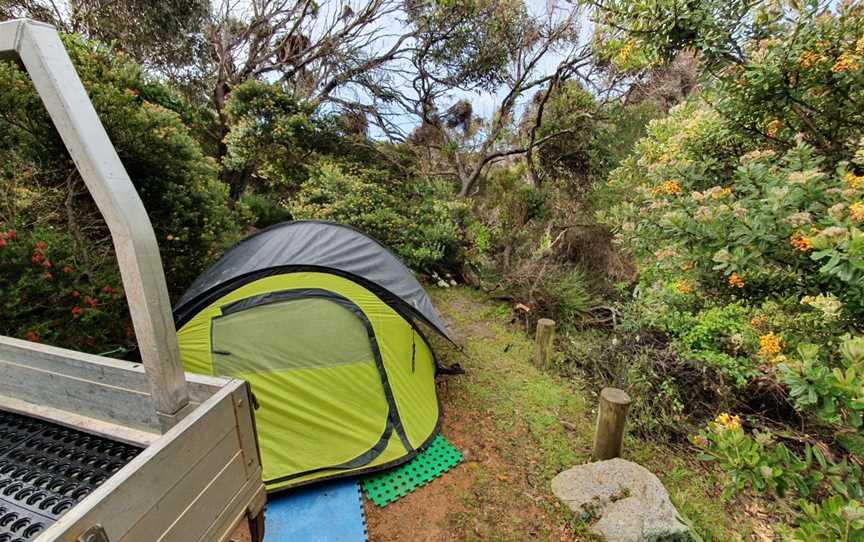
pixel 774 127
pixel 808 59
pixel 720 192
pixel 624 54
pixel 736 280
pixel 845 63
pixel 724 422
pixel 770 344
pixel 800 242
pixel 671 187
pixel 169 237
pixel 778 359
pixel 852 180
pixel 856 211
pixel 859 46
pixel 683 288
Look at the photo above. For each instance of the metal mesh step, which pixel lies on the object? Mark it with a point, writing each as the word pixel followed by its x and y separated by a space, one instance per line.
pixel 46 469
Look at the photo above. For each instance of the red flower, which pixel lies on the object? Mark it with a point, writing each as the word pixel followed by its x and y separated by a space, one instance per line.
pixel 37 258
pixel 41 245
pixel 48 276
pixel 130 332
pixel 107 290
pixel 75 293
pixel 67 269
pixel 32 336
pixel 46 264
pixel 76 311
pixel 2 242
pixel 90 301
pixel 11 234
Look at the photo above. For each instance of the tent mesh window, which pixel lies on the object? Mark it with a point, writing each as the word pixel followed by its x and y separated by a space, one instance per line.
pixel 315 332
pixel 46 469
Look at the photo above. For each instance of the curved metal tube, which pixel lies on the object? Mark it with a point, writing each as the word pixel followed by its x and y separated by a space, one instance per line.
pixel 39 48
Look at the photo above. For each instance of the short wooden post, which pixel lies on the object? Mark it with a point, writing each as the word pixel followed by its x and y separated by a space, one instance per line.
pixel 611 416
pixel 544 339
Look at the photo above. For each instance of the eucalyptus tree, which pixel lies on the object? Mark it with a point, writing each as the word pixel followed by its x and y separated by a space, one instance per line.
pixel 496 48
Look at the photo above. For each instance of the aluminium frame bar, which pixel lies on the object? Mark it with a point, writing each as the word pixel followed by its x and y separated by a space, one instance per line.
pixel 43 55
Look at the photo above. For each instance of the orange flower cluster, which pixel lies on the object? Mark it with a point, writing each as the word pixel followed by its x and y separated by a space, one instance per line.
pixel 770 345
pixel 668 187
pixel 808 59
pixel 736 280
pixel 846 62
pixel 801 242
pixel 683 288
pixel 774 127
pixel 757 321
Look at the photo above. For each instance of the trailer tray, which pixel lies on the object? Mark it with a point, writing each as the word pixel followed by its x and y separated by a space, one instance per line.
pixel 46 469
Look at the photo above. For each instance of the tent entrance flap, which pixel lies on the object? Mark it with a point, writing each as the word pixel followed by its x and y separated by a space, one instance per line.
pixel 310 357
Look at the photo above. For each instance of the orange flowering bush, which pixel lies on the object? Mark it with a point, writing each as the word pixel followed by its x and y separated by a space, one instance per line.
pixel 776 262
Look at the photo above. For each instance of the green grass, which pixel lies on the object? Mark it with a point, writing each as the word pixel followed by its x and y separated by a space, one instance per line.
pixel 544 424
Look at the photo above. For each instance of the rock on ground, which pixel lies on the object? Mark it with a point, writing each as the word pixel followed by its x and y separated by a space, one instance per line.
pixel 628 502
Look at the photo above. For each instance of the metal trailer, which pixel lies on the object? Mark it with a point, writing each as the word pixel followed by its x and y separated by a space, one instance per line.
pixel 189 468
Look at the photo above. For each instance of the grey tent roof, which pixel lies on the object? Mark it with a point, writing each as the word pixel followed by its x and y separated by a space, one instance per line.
pixel 319 244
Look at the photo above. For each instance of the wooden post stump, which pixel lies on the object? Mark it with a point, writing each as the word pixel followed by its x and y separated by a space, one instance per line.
pixel 611 417
pixel 544 339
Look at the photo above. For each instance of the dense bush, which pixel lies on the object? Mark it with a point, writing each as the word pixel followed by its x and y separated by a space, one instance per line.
pixel 419 222
pixel 49 295
pixel 58 279
pixel 178 185
pixel 744 211
pixel 596 136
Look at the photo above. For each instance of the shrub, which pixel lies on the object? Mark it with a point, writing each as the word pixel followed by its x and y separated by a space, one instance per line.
pixel 265 210
pixel 186 202
pixel 744 213
pixel 572 296
pixel 832 492
pixel 49 295
pixel 417 222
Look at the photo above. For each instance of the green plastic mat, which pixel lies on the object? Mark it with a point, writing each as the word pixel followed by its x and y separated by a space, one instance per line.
pixel 385 487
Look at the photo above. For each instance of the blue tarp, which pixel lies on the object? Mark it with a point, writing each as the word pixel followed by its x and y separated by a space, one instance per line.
pixel 330 512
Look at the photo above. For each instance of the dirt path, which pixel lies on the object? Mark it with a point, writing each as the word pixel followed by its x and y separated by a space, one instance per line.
pixel 517 427
pixel 493 495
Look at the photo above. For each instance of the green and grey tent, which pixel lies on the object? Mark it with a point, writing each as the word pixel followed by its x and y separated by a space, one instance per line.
pixel 329 328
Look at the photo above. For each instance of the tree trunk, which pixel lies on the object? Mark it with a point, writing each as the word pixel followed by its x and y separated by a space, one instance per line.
pixel 533 176
pixel 220 96
pixel 469 180
pixel 237 181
